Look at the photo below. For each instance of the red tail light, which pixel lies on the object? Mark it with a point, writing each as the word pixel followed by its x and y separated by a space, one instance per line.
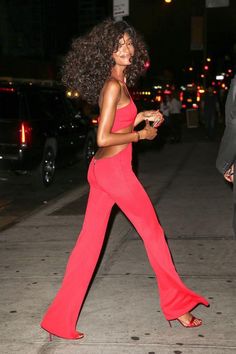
pixel 7 89
pixel 24 133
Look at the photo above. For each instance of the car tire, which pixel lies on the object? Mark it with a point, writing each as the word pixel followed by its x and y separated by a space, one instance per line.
pixel 45 173
pixel 48 166
pixel 90 147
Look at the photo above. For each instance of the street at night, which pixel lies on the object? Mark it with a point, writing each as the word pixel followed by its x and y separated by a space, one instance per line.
pixel 157 75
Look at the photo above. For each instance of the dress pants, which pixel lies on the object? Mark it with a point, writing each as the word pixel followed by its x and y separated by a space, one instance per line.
pixel 112 181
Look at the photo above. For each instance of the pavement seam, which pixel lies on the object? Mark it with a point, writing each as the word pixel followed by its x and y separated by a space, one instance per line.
pixel 136 344
pixel 53 203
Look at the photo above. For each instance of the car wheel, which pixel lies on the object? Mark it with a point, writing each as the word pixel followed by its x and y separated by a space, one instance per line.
pixel 48 166
pixel 90 147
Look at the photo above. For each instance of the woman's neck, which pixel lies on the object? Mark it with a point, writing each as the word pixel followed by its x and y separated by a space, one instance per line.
pixel 118 75
pixel 119 79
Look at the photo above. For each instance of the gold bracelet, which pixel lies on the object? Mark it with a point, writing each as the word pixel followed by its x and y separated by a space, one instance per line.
pixel 138 136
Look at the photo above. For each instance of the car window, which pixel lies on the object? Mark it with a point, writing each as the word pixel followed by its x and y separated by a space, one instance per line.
pixel 46 105
pixel 9 103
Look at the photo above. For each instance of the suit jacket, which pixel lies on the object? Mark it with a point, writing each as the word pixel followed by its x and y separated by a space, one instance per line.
pixel 227 151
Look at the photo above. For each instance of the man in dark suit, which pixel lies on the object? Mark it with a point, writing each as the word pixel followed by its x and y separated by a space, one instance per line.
pixel 226 159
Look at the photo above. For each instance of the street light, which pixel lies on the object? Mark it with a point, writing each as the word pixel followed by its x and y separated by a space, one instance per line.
pixel 168 1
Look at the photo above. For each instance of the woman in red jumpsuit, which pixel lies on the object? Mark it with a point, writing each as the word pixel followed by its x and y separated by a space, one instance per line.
pixel 99 66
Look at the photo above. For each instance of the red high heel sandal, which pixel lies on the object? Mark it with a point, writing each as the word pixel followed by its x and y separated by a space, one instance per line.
pixel 191 323
pixel 79 335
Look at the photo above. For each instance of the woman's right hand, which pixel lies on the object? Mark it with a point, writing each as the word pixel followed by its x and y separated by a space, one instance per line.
pixel 148 132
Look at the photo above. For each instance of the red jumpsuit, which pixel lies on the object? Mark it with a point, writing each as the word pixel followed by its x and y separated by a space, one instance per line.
pixel 112 181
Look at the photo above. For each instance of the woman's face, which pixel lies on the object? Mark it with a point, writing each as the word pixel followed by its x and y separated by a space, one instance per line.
pixel 123 55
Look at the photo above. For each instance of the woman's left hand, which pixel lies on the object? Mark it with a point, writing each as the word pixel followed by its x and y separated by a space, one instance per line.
pixel 151 115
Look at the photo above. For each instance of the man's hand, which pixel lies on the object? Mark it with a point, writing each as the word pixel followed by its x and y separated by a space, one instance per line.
pixel 229 174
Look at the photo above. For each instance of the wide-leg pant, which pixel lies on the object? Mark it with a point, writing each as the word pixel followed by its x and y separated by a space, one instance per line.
pixel 113 181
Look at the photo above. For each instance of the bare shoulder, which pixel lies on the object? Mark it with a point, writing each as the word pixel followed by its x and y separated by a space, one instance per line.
pixel 113 85
pixel 111 91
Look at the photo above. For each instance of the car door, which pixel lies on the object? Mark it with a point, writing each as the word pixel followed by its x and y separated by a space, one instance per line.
pixel 10 103
pixel 77 122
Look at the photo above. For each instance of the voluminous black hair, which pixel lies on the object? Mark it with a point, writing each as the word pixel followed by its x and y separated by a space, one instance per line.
pixel 89 62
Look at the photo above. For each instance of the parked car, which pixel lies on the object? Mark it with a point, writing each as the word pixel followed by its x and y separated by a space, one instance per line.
pixel 39 125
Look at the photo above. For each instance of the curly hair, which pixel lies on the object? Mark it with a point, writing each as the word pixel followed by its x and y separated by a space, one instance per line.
pixel 89 62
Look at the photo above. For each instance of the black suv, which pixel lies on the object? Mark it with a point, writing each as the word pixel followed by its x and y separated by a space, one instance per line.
pixel 39 124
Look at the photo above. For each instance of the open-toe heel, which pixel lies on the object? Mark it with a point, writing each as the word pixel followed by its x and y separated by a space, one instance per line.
pixel 78 335
pixel 191 324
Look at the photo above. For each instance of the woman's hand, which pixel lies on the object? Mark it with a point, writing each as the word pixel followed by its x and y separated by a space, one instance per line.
pixel 148 132
pixel 154 116
pixel 151 116
pixel 229 175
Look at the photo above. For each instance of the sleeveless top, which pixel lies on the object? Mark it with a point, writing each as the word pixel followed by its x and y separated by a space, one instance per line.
pixel 125 116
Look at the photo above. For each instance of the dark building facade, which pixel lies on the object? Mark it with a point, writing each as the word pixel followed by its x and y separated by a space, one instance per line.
pixel 35 34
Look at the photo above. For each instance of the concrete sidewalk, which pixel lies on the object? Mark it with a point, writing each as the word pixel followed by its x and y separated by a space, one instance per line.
pixel 121 313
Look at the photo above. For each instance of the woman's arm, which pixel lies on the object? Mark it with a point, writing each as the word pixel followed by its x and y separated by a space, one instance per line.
pixel 111 97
